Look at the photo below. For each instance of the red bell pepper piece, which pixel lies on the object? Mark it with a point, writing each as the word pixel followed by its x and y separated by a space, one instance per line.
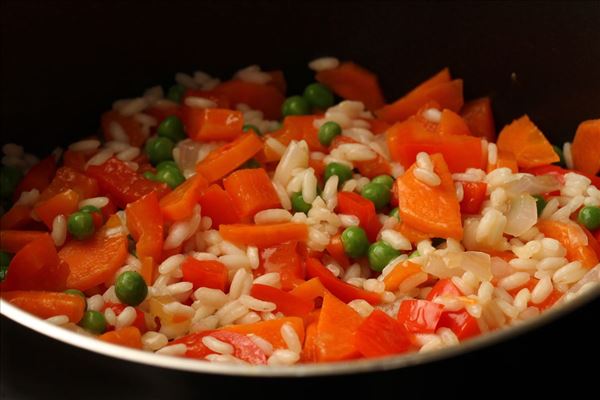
pixel 122 184
pixel 335 248
pixel 474 195
pixel 36 267
pixel 244 348
pixel 18 217
pixel 219 100
pixel 205 273
pixel 285 259
pixel 145 223
pixel 420 316
pixel 217 204
pixel 38 177
pixel 67 178
pixel 342 290
pixel 443 287
pixel 479 117
pixel 212 123
pixel 139 322
pixel 381 335
pixel 461 322
pixel 286 302
pixel 354 204
pixel 12 241
pixel 407 139
pixel 266 98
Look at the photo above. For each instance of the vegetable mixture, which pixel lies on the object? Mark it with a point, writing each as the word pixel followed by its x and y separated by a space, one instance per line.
pixel 226 222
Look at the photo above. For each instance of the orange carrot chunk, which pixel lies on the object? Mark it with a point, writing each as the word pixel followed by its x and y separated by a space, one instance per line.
pixel 381 335
pixel 399 274
pixel 586 147
pixel 264 235
pixel 251 191
pixel 431 209
pixel 212 123
pixel 226 158
pixel 128 337
pixel 14 240
pixel 479 118
pixel 353 82
pixel 179 204
pixel 270 330
pixel 527 143
pixel 573 238
pixel 63 203
pixel 18 217
pixel 452 124
pixel 47 304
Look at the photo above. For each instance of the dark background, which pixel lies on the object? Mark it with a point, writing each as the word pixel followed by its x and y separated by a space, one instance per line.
pixel 62 63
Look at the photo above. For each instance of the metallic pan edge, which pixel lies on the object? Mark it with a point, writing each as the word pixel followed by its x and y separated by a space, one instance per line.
pixel 302 370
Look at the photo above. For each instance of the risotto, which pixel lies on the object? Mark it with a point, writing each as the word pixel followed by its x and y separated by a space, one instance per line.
pixel 226 222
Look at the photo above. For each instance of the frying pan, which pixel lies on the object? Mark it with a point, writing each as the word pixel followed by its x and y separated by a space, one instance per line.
pixel 64 62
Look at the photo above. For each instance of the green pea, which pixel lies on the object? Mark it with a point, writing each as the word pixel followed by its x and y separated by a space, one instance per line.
pixel 295 105
pixel 93 321
pixel 355 242
pixel 175 93
pixel 90 209
pixel 76 292
pixel 328 131
pixel 298 203
pixel 414 254
pixel 131 288
pixel 318 96
pixel 395 213
pixel 159 149
pixel 250 164
pixel 376 192
pixel 166 164
pixel 380 254
pixel 589 216
pixel 5 259
pixel 560 154
pixel 384 180
pixel 171 128
pixel 540 203
pixel 150 176
pixel 9 179
pixel 171 176
pixel 250 127
pixel 81 225
pixel 342 171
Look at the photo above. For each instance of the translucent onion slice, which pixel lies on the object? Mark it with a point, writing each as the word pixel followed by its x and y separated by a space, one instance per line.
pixel 521 216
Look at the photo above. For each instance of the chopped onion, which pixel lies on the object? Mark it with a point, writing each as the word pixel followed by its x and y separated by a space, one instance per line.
pixel 437 267
pixel 521 216
pixel 533 185
pixel 476 262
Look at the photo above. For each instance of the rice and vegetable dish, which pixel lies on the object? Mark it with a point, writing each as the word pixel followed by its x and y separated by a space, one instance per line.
pixel 226 222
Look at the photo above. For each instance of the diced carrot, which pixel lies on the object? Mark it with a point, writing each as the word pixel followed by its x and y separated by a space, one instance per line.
pixel 506 159
pixel 527 143
pixel 285 259
pixel 205 273
pixel 309 350
pixel 228 157
pixel 179 204
pixel 47 304
pixel 148 269
pixel 129 337
pixel 318 166
pixel 212 123
pixel 573 239
pixel 95 260
pixel 251 191
pixel 220 100
pixel 13 240
pixel 399 274
pixel 309 290
pixel 586 147
pixel 63 203
pixel 452 124
pixel 353 82
pixel 302 127
pixel 380 335
pixel 270 330
pixel 335 248
pixel 479 117
pixel 36 266
pixel 448 94
pixel 431 209
pixel 264 235
pixel 592 241
pixel 145 223
pixel 67 178
pixel 217 204
pixel 18 217
pixel 286 302
pixel 336 330
pixel 413 235
pixel 354 204
pixel 266 98
pixel 406 139
pixel 38 177
pixel 129 124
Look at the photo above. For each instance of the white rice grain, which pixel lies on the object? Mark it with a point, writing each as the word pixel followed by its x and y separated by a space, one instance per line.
pixel 290 337
pixel 427 177
pixel 126 317
pixel 154 340
pixel 395 239
pixel 97 202
pixel 270 279
pixel 100 158
pixel 58 320
pixel 217 345
pixel 178 349
pixel 324 63
pixel 256 304
pixel 283 357
pixel 199 102
pixel 85 145
pixel 272 216
pixel 59 230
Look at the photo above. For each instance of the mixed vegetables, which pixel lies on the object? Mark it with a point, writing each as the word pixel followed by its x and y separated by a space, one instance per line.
pixel 227 222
